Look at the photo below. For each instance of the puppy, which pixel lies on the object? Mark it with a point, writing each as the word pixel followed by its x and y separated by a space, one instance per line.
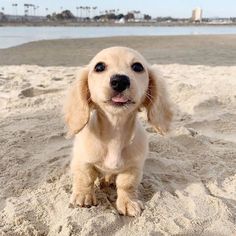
pixel 101 111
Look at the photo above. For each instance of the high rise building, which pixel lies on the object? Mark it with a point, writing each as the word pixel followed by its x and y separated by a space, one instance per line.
pixel 197 14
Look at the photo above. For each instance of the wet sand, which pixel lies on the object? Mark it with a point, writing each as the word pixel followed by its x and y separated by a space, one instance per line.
pixel 188 50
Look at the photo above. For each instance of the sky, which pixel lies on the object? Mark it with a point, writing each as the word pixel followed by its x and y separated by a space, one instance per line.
pixel 174 8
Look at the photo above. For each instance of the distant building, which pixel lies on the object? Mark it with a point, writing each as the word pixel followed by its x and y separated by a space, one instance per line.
pixel 120 21
pixel 197 15
pixel 18 18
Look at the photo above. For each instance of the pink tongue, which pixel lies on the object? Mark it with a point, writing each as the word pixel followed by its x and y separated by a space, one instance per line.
pixel 119 98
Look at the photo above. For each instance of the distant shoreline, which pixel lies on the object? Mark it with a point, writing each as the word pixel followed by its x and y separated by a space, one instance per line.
pixel 104 24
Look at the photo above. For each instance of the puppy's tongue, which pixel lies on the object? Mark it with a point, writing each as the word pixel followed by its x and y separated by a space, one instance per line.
pixel 120 98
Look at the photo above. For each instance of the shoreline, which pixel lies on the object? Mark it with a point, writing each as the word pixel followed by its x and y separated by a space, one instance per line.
pixel 211 50
pixel 111 24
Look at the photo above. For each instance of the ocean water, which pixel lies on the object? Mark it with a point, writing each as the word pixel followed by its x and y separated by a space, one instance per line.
pixel 13 36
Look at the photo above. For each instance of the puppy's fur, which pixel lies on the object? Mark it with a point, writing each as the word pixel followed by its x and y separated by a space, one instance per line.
pixel 109 139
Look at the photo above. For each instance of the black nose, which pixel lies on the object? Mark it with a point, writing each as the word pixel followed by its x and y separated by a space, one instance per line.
pixel 119 82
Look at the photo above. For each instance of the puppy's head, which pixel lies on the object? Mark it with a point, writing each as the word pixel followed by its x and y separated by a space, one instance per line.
pixel 118 81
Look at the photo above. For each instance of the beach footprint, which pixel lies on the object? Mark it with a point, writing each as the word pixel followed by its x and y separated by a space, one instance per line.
pixel 33 92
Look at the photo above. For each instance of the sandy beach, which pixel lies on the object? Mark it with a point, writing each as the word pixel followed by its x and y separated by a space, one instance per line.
pixel 189 182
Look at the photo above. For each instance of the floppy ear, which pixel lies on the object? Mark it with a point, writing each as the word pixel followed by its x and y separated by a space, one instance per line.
pixel 156 102
pixel 76 107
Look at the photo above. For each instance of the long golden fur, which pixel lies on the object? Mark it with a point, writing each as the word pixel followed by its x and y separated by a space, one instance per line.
pixel 109 139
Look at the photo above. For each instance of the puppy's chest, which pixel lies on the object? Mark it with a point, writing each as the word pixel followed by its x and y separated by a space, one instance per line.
pixel 113 158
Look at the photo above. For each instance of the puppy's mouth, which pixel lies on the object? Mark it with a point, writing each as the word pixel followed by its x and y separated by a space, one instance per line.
pixel 120 100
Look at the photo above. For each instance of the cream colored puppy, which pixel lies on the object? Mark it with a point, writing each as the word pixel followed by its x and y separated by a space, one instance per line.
pixel 101 110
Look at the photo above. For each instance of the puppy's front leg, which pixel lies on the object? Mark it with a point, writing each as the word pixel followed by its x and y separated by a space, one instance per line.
pixel 83 186
pixel 127 183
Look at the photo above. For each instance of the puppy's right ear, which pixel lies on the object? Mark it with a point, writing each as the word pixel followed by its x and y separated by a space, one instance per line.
pixel 76 107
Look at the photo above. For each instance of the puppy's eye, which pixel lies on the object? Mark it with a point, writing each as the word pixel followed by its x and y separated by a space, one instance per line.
pixel 100 67
pixel 137 67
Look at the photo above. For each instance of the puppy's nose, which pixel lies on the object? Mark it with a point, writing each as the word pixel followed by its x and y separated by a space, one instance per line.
pixel 119 82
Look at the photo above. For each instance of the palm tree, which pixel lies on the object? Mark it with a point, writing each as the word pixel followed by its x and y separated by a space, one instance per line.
pixel 35 9
pixel 26 12
pixel 3 9
pixel 14 5
pixel 32 6
pixel 81 9
pixel 139 14
pixel 88 12
pixel 26 9
pixel 84 9
pixel 84 12
pixel 94 11
pixel 77 12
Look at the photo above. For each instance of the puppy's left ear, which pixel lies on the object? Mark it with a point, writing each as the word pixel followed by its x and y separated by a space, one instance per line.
pixel 157 102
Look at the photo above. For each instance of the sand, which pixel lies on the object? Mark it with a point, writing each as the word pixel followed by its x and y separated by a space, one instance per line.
pixel 189 182
pixel 209 50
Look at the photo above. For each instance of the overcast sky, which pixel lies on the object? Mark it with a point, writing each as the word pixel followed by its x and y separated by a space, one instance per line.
pixel 174 8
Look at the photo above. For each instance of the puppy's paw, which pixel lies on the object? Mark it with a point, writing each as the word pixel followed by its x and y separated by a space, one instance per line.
pixel 129 207
pixel 83 199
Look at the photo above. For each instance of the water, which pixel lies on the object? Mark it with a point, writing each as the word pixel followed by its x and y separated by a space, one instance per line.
pixel 12 36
